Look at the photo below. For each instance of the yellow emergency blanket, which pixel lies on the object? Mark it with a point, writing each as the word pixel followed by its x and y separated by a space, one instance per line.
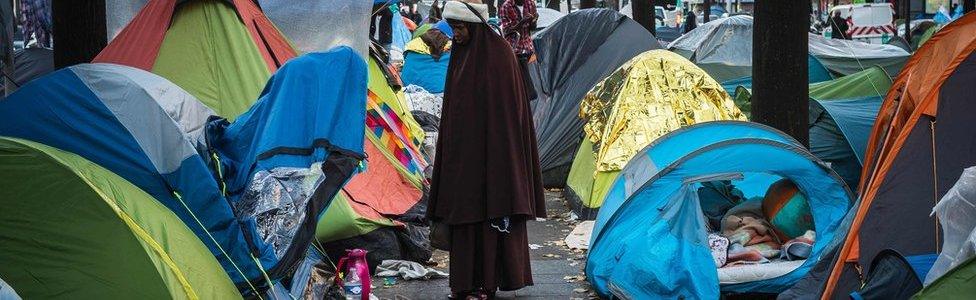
pixel 654 93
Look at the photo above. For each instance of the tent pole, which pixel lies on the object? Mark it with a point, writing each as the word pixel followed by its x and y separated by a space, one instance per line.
pixel 643 11
pixel 79 31
pixel 779 67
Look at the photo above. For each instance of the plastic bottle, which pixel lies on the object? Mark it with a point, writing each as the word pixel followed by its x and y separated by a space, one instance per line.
pixel 352 286
pixel 356 281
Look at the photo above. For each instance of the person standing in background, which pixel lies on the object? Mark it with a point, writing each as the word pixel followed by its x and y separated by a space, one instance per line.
pixel 838 27
pixel 691 21
pixel 487 182
pixel 518 20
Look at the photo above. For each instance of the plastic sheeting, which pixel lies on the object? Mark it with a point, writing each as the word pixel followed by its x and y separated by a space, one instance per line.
pixel 845 57
pixel 649 96
pixel 276 199
pixel 118 13
pixel 322 24
pixel 957 214
pixel 547 17
pixel 722 47
pixel 571 59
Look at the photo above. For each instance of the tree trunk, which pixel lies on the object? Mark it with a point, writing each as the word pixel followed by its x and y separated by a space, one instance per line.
pixel 587 4
pixel 492 10
pixel 643 12
pixel 79 31
pixel 779 67
pixel 906 11
pixel 968 5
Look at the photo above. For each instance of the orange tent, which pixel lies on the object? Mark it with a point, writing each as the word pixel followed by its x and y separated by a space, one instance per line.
pixel 921 142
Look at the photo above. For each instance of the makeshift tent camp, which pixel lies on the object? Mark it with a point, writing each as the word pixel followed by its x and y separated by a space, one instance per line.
pixel 649 240
pixel 72 229
pixel 422 69
pixel 221 51
pixel 842 112
pixel 649 96
pixel 30 63
pixel 151 133
pixel 917 148
pixel 724 49
pixel 570 60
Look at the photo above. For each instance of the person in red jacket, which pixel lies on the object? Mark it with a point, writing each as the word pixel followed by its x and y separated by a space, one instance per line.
pixel 518 21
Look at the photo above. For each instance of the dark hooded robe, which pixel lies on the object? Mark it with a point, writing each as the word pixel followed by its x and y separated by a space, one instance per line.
pixel 486 169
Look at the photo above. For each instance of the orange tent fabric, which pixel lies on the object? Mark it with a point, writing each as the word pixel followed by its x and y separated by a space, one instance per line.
pixel 914 95
pixel 381 187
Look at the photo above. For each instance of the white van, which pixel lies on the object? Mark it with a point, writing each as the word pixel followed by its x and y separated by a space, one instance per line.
pixel 868 22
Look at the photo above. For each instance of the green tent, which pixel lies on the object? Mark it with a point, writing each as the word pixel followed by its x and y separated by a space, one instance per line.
pixel 959 283
pixel 221 52
pixel 867 83
pixel 209 53
pixel 71 229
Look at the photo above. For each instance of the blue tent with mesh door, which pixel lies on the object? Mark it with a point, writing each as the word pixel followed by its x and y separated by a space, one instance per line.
pixel 650 238
pixel 306 131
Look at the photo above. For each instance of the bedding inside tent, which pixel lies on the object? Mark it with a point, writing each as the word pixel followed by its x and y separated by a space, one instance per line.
pixel 651 238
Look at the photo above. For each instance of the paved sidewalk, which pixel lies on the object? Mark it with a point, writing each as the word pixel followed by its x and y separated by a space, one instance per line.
pixel 557 271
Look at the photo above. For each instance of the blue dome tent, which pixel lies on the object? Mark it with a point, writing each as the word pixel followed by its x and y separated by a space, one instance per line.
pixel 650 238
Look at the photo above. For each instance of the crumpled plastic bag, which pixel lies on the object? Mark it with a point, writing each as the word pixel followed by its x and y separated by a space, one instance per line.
pixel 957 215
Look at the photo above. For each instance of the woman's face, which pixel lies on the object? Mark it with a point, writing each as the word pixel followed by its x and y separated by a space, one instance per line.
pixel 460 29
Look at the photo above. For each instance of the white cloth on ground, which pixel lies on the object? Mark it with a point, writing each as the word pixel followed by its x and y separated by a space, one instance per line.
pixel 408 270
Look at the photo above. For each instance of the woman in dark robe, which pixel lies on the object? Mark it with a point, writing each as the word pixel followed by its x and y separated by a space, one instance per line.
pixel 486 182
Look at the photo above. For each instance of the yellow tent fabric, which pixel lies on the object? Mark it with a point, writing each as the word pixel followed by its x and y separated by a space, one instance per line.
pixel 654 93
